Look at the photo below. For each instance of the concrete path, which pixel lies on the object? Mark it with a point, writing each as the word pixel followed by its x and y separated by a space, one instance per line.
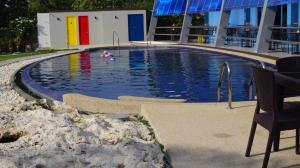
pixel 208 135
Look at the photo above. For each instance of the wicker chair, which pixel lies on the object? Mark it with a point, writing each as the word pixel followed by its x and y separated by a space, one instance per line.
pixel 274 118
pixel 289 66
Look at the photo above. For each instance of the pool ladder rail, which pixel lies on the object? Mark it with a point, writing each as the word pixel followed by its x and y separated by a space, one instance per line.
pixel 224 67
pixel 115 34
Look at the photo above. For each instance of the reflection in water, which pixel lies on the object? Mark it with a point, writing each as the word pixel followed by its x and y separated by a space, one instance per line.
pixel 166 74
pixel 169 72
pixel 85 62
pixel 74 65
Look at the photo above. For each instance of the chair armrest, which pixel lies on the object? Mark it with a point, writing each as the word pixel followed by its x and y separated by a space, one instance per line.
pixel 292 74
pixel 288 80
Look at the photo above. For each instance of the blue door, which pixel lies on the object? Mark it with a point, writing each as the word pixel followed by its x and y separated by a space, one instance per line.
pixel 136 27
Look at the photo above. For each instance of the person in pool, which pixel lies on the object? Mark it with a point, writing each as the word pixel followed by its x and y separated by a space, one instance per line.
pixel 107 54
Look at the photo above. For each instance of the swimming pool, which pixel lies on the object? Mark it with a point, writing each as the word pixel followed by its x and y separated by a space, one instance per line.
pixel 159 72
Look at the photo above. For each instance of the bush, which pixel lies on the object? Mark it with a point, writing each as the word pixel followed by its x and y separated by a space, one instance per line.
pixel 6 43
pixel 23 32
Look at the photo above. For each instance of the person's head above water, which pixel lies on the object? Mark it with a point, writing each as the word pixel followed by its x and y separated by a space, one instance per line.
pixel 106 54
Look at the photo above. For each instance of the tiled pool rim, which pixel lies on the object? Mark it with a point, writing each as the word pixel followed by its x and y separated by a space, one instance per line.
pixel 42 92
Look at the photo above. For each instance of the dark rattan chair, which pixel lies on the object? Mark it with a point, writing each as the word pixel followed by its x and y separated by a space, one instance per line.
pixel 288 64
pixel 291 67
pixel 273 118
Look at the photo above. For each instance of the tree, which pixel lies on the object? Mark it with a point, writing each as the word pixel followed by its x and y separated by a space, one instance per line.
pixel 112 4
pixel 4 9
pixel 11 9
pixel 17 8
pixel 49 5
pixel 87 4
pixel 22 29
pixel 141 4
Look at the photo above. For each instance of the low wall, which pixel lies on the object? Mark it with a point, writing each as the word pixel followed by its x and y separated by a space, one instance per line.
pixel 129 105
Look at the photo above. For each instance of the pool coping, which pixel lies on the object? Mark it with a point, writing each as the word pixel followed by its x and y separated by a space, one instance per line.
pixel 17 88
pixel 40 91
pixel 135 102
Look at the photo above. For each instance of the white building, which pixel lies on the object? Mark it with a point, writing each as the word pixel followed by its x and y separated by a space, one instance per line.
pixel 72 29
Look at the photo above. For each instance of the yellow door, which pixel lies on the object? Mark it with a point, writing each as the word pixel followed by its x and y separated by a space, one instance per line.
pixel 72 30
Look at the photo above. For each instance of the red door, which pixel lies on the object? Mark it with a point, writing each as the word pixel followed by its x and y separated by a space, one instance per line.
pixel 84 30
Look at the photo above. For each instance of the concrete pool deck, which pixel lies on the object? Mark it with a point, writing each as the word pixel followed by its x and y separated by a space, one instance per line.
pixel 209 135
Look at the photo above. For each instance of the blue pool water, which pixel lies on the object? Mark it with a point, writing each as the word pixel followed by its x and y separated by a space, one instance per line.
pixel 162 72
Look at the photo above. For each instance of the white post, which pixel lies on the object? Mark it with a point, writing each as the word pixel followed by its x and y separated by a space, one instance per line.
pixel 153 24
pixel 264 32
pixel 185 25
pixel 223 22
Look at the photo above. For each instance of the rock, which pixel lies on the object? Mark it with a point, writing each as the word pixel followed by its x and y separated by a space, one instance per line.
pixel 6 108
pixel 51 134
pixel 93 141
pixel 43 103
pixel 60 107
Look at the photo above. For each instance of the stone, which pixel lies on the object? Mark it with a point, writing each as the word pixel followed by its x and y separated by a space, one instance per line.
pixel 45 133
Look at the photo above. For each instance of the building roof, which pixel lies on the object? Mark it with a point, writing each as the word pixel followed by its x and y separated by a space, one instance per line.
pixel 100 10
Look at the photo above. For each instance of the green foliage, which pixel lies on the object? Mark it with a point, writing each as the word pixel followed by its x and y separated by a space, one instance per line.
pixel 11 9
pixel 111 4
pixel 142 120
pixel 22 29
pixel 87 4
pixel 20 25
pixel 6 40
pixel 17 8
pixel 198 19
pixel 3 13
pixel 49 5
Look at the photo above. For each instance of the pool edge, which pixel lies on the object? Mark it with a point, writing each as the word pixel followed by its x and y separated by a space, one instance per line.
pixel 42 95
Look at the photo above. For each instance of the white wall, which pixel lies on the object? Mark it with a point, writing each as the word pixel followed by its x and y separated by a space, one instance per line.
pixel 101 27
pixel 43 30
pixel 58 31
pixel 95 27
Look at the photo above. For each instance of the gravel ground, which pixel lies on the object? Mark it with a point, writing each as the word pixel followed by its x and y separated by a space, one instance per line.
pixel 51 134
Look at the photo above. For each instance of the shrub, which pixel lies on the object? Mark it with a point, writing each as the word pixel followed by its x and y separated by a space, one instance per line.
pixel 23 32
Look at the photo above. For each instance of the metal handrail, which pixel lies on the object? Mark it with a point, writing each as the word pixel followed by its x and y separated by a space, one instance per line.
pixel 164 34
pixel 115 33
pixel 251 83
pixel 168 27
pixel 204 35
pixel 224 67
pixel 197 27
pixel 283 28
pixel 241 38
pixel 240 27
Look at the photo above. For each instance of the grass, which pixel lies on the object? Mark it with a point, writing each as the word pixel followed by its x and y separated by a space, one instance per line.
pixel 142 120
pixel 26 54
